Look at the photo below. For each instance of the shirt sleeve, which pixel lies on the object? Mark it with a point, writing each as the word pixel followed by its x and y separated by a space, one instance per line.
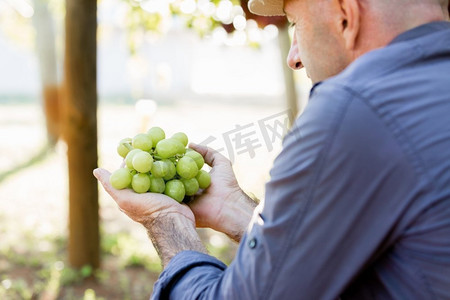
pixel 203 271
pixel 327 215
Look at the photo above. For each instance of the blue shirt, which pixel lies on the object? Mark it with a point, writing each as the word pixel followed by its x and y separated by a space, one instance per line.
pixel 358 205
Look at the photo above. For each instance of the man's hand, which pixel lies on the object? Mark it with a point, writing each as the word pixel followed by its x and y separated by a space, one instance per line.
pixel 170 225
pixel 143 208
pixel 223 206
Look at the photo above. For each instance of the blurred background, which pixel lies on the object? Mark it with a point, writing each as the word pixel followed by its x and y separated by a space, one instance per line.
pixel 76 77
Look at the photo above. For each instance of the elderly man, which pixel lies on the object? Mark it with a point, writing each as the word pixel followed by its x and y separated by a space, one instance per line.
pixel 358 205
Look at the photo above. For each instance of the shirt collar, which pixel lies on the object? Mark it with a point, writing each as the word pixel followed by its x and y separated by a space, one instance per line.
pixel 408 35
pixel 311 92
pixel 421 31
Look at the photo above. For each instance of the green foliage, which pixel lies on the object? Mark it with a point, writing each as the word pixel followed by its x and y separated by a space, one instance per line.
pixel 15 289
pixel 224 251
pixel 70 276
pixel 27 271
pixel 86 271
pixel 129 251
pixel 203 25
pixel 140 20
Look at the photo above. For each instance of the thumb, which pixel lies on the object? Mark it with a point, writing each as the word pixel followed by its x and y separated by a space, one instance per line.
pixel 122 197
pixel 102 176
pixel 211 156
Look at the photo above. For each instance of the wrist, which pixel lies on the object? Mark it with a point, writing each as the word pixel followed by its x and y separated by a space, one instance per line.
pixel 173 233
pixel 235 215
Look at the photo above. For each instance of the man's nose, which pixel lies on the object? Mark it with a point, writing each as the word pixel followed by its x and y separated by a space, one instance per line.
pixel 293 59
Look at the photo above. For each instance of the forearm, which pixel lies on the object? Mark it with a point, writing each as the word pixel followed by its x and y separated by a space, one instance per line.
pixel 172 234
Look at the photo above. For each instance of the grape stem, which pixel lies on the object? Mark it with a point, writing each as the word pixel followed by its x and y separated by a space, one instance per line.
pixel 127 145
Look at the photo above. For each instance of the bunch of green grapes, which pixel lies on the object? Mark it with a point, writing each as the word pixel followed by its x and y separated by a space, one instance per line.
pixel 159 165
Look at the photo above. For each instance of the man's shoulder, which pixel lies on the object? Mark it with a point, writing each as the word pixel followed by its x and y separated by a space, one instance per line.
pixel 405 87
pixel 391 82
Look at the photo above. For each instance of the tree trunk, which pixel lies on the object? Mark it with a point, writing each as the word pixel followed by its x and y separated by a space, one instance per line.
pixel 45 48
pixel 291 92
pixel 80 131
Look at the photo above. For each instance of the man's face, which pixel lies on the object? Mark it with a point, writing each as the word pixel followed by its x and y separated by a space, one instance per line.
pixel 318 44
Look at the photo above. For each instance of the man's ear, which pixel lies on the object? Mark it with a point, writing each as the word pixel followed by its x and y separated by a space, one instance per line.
pixel 350 23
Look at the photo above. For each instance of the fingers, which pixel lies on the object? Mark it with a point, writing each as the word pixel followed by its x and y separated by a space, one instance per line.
pixel 120 196
pixel 103 176
pixel 212 157
pixel 139 207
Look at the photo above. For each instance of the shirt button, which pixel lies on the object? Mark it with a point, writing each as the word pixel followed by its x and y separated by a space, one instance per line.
pixel 252 243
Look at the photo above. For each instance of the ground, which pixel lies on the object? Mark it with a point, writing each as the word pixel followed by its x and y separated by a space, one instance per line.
pixel 34 195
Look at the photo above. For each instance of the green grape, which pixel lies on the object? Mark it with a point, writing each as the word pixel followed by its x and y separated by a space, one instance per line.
pixel 191 186
pixel 203 178
pixel 182 137
pixel 175 190
pixel 142 162
pixel 169 148
pixel 160 169
pixel 132 172
pixel 187 168
pixel 142 141
pixel 124 147
pixel 129 158
pixel 180 148
pixel 157 185
pixel 157 134
pixel 171 170
pixel 140 183
pixel 120 178
pixel 197 157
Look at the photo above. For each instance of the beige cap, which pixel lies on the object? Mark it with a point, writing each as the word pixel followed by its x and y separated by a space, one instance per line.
pixel 266 7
